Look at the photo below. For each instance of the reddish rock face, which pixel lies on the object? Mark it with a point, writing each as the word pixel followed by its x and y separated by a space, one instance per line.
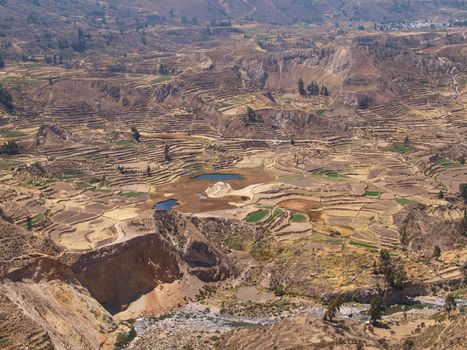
pixel 117 275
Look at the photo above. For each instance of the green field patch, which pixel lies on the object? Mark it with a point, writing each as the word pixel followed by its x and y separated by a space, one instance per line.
pixel 325 172
pixel 131 194
pixel 317 237
pixel 299 217
pixel 71 173
pixel 265 37
pixel 83 185
pixel 257 215
pixel 292 177
pixel 39 218
pixel 102 190
pixel 274 215
pixel 4 341
pixel 161 79
pixel 14 80
pixel 36 220
pixel 126 143
pixel 223 104
pixel 364 245
pixel 406 201
pixel 401 148
pixel 373 193
pixel 11 133
pixel 447 163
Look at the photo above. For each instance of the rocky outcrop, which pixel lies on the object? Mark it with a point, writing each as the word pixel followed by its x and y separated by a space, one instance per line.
pixel 119 274
pixel 200 243
pixel 50 135
pixel 421 229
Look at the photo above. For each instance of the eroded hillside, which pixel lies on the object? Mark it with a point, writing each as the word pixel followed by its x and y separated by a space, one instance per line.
pixel 190 174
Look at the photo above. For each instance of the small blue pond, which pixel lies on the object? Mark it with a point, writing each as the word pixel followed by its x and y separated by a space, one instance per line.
pixel 165 205
pixel 218 177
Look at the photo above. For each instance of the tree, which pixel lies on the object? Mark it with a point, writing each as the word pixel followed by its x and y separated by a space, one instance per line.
pixel 463 224
pixel 436 252
pixel 313 89
pixel 408 344
pixel 148 170
pixel 332 309
pixel 450 304
pixel 324 91
pixel 406 141
pixel 440 195
pixel 10 148
pixel 29 223
pixel 363 102
pixel 80 44
pixel 6 100
pixel 2 62
pixel 301 87
pixel 384 256
pixel 135 134
pixel 167 156
pixel 463 191
pixel 394 275
pixel 376 309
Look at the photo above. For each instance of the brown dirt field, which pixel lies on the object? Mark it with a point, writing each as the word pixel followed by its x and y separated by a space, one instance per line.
pixel 192 199
pixel 304 206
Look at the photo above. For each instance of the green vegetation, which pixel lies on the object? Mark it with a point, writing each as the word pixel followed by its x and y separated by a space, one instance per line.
pixel 71 173
pixel 131 194
pixel 83 185
pixel 234 242
pixel 298 217
pixel 123 339
pixel 265 37
pixel 318 237
pixel 36 220
pixel 364 102
pixel 10 148
pixel 376 309
pixel 447 163
pixel 372 193
pixel 393 272
pixel 301 87
pixel 135 134
pixel 223 104
pixel 161 79
pixel 406 201
pixel 11 133
pixel 4 341
pixel 126 143
pixel 257 216
pixel 262 251
pixel 361 244
pixel 325 172
pixel 102 190
pixel 332 309
pixel 401 148
pixel 292 178
pixel 463 191
pixel 275 214
pixel 14 80
pixel 450 304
